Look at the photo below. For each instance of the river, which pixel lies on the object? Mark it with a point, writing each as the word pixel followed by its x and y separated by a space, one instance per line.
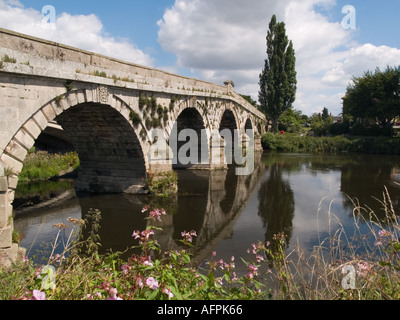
pixel 307 197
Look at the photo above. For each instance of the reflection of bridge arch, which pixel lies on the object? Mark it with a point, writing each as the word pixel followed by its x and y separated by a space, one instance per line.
pixel 216 223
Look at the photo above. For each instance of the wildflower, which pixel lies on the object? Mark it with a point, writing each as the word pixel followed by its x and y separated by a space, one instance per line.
pixel 144 236
pixel 148 262
pixel 253 269
pixel 38 295
pixel 125 269
pixel 253 272
pixel 156 214
pixel 58 258
pixel 259 258
pixel 113 294
pixel 384 233
pixel 152 283
pixel 363 269
pixel 235 278
pixel 378 243
pixel 145 209
pixel 188 236
pixel 136 235
pixel 249 276
pixel 168 292
pixel 218 282
pixel 139 282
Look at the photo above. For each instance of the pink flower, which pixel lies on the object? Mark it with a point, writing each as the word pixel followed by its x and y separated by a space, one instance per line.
pixel 363 268
pixel 148 262
pixel 139 282
pixel 113 294
pixel 384 233
pixel 125 269
pixel 188 236
pixel 38 295
pixel 136 235
pixel 168 293
pixel 145 209
pixel 152 283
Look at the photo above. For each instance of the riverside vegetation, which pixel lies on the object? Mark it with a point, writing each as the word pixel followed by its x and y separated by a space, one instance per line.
pixel 39 166
pixel 338 144
pixel 273 273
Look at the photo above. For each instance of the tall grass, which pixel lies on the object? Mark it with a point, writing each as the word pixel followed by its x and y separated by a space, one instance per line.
pixel 42 165
pixel 357 266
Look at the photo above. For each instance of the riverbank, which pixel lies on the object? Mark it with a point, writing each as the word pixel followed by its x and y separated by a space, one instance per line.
pixel 342 267
pixel 41 166
pixel 338 144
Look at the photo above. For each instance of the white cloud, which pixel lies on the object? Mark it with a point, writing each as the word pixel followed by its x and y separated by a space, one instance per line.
pixel 225 39
pixel 82 31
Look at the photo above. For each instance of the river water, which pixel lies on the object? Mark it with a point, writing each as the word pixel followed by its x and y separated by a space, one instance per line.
pixel 304 196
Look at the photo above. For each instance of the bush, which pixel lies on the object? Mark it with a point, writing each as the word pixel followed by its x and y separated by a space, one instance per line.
pixel 338 144
pixel 295 143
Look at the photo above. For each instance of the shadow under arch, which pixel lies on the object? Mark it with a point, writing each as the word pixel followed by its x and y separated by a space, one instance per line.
pixel 110 154
pixel 189 141
pixel 229 126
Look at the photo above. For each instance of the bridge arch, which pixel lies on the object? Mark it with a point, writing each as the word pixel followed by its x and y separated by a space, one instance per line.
pixel 111 154
pixel 189 137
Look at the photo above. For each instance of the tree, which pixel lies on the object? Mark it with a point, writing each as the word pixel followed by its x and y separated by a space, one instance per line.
pixel 278 83
pixel 374 97
pixel 325 114
pixel 292 121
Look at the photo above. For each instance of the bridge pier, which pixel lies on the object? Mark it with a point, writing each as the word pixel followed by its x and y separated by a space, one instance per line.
pixel 8 249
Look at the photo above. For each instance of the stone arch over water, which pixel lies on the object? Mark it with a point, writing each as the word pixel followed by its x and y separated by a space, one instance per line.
pixel 189 140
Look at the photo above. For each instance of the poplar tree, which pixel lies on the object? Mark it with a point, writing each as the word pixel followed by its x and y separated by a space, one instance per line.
pixel 278 83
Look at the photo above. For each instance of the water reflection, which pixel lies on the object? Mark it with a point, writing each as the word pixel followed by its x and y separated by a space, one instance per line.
pixel 287 193
pixel 276 204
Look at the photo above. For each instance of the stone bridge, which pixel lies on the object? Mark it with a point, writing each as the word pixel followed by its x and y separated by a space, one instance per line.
pixel 117 115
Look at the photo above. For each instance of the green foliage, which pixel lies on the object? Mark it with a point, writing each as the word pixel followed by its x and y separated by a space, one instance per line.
pixel 292 121
pixel 338 144
pixel 155 115
pixel 320 124
pixel 102 74
pixel 69 85
pixel 295 143
pixel 374 97
pixel 278 83
pixel 42 165
pixel 8 59
pixel 135 118
pixel 163 184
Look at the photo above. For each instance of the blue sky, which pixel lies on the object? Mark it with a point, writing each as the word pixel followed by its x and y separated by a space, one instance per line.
pixel 217 40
